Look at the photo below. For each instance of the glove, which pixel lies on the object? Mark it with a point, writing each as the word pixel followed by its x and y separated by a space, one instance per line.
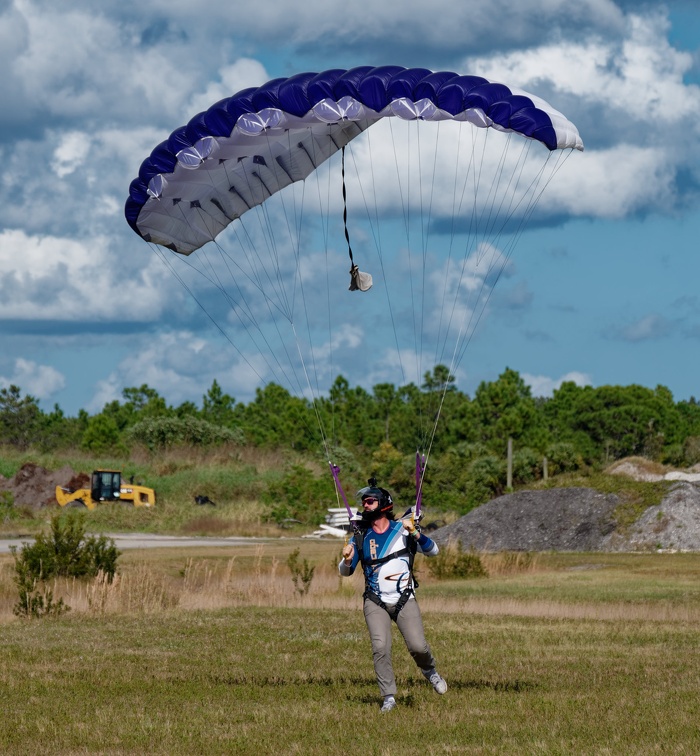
pixel 410 526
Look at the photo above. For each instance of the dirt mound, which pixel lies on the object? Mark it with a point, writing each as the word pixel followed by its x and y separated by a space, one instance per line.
pixel 577 519
pixel 34 486
pixel 558 519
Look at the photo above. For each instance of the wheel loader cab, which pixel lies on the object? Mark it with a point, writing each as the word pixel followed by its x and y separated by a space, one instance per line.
pixel 106 485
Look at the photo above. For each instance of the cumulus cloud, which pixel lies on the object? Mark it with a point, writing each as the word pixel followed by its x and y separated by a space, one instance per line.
pixel 460 292
pixel 181 366
pixel 440 28
pixel 637 73
pixel 71 152
pixel 243 73
pixel 41 381
pixel 543 385
pixel 52 278
pixel 634 86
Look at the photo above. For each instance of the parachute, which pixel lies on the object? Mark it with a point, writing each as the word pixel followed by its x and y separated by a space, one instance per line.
pixel 436 203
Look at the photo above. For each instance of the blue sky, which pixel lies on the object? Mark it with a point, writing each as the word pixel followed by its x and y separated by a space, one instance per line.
pixel 602 291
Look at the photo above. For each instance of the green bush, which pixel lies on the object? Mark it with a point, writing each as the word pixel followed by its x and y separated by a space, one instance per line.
pixel 300 495
pixel 35 598
pixel 64 552
pixel 453 562
pixel 7 507
pixel 157 433
pixel 527 466
pixel 691 450
pixel 67 552
pixel 563 457
pixel 486 478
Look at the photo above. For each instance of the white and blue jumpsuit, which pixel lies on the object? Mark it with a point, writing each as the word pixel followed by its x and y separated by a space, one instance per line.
pixel 389 585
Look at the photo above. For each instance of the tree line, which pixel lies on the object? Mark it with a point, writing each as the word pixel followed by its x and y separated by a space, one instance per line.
pixel 380 430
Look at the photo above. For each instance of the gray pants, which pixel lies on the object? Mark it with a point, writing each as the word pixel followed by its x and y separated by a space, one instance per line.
pixel 410 623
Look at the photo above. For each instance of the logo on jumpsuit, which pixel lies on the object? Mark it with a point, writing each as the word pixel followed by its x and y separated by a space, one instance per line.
pixel 372 549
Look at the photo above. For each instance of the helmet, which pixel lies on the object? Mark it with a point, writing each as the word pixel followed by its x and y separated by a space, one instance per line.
pixel 386 503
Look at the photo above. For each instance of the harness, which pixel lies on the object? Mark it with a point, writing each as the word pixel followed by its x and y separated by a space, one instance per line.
pixel 411 549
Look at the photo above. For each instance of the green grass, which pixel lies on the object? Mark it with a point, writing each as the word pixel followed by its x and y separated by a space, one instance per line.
pixel 295 676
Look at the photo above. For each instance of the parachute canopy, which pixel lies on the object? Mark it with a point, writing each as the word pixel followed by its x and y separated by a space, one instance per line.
pixel 245 148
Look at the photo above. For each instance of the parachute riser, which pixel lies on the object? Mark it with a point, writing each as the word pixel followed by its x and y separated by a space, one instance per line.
pixel 420 472
pixel 335 472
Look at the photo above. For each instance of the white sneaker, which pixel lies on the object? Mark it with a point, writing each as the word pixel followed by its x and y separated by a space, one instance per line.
pixel 438 683
pixel 389 704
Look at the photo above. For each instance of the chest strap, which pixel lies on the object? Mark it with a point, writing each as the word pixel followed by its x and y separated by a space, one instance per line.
pixel 410 550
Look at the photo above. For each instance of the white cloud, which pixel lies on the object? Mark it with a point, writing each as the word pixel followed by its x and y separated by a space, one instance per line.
pixel 411 24
pixel 72 151
pixel 181 367
pixel 243 73
pixel 41 381
pixel 460 291
pixel 639 73
pixel 614 183
pixel 53 278
pixel 543 385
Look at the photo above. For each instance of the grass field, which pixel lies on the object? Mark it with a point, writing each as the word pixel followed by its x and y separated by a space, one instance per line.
pixel 213 652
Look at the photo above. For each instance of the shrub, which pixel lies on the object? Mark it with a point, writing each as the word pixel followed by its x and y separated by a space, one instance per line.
pixel 300 495
pixel 691 450
pixel 527 466
pixel 302 574
pixel 563 457
pixel 66 552
pixel 159 433
pixel 35 599
pixel 7 507
pixel 486 479
pixel 453 562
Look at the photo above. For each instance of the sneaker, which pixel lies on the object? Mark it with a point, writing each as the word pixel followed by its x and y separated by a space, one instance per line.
pixel 389 703
pixel 438 683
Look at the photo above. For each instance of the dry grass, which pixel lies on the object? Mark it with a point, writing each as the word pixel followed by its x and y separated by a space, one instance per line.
pixel 510 562
pixel 258 577
pixel 625 587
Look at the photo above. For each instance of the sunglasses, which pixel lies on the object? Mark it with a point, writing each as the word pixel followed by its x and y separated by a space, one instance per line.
pixel 369 500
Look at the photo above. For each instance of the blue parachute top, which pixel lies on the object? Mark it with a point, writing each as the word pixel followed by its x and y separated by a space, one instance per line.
pixel 244 148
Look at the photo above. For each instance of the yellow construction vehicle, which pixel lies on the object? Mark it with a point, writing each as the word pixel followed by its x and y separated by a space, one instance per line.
pixel 106 485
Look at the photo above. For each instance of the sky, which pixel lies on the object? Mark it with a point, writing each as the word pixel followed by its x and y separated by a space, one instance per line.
pixel 601 288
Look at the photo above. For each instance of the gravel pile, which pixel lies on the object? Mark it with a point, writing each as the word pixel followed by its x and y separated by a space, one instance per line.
pixel 577 519
pixel 674 524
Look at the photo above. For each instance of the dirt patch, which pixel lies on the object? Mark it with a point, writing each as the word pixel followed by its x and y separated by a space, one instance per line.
pixel 34 486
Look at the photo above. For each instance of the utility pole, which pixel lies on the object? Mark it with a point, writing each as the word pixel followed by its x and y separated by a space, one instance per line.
pixel 509 473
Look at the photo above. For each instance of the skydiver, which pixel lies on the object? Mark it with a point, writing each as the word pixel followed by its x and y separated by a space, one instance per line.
pixel 385 548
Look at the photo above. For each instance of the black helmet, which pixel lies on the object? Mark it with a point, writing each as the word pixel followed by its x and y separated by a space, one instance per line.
pixel 386 503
